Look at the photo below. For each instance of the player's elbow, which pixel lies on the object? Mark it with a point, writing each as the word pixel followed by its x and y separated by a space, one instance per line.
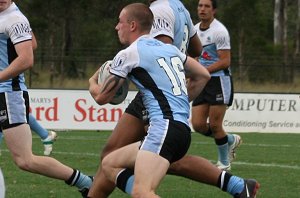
pixel 30 65
pixel 207 76
pixel 204 78
pixel 27 63
pixel 195 51
pixel 226 63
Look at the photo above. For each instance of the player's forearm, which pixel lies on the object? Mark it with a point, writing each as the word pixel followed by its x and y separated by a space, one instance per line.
pixel 17 67
pixel 195 87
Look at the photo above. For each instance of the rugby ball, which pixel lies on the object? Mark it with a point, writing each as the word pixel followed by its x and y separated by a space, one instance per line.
pixel 122 92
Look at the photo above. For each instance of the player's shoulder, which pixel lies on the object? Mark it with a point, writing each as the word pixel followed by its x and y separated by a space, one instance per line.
pixel 161 9
pixel 12 19
pixel 129 55
pixel 218 25
pixel 13 14
pixel 160 3
pixel 197 25
pixel 163 6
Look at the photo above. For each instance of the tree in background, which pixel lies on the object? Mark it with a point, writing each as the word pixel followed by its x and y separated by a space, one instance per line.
pixel 297 44
pixel 281 39
pixel 74 36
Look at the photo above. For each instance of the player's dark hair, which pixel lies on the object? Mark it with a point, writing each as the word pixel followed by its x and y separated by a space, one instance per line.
pixel 214 4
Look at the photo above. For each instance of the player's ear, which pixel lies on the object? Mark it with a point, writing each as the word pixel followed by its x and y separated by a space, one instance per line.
pixel 133 25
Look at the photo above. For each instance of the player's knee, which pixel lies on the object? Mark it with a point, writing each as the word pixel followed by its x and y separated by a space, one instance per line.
pixel 199 127
pixel 214 127
pixel 108 168
pixel 105 164
pixel 175 168
pixel 180 167
pixel 23 164
pixel 104 153
pixel 107 149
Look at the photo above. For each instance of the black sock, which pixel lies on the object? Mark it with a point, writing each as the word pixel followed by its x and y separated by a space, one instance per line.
pixel 223 180
pixel 221 141
pixel 122 179
pixel 74 178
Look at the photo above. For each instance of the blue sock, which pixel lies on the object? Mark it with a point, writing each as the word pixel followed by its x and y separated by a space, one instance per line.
pixel 235 185
pixel 223 154
pixel 129 185
pixel 79 180
pixel 37 128
pixel 230 139
pixel 125 180
pixel 223 147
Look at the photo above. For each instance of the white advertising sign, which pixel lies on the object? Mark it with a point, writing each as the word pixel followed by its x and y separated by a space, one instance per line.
pixel 76 110
pixel 264 113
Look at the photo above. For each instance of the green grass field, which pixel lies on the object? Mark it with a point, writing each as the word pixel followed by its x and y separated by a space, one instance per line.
pixel 273 159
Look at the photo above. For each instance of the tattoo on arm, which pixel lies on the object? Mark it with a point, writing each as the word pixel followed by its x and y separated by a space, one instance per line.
pixel 110 83
pixel 187 72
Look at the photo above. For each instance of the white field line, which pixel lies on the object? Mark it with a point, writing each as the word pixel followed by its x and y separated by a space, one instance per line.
pixel 295 167
pixel 256 145
pixel 283 166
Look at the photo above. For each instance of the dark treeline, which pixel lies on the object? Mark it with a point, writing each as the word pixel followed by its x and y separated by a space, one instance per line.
pixel 75 34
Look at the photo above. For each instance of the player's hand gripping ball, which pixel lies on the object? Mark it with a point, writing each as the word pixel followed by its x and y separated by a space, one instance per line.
pixel 122 91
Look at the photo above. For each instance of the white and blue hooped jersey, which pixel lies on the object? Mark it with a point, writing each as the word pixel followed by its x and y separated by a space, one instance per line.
pixel 172 19
pixel 157 71
pixel 14 28
pixel 215 38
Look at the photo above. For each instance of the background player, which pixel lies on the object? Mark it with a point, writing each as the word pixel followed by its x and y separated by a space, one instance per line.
pixel 217 95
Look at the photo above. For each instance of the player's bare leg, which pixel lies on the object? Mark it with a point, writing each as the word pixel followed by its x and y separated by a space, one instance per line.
pixel 128 130
pixel 196 168
pixel 147 181
pixel 130 156
pixel 19 143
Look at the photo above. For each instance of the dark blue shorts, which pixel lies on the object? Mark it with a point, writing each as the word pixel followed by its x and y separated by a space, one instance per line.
pixel 14 108
pixel 137 109
pixel 167 138
pixel 218 91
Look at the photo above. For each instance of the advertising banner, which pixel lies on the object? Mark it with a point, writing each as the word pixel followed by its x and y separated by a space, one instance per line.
pixel 77 110
pixel 264 113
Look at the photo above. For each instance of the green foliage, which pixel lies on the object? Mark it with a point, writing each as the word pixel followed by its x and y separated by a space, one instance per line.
pixel 75 34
